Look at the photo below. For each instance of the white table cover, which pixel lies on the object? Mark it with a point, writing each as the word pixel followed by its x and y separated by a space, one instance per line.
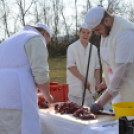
pixel 53 125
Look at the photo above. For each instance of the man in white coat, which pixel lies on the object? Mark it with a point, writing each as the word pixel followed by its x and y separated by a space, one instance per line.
pixel 117 56
pixel 23 69
pixel 77 60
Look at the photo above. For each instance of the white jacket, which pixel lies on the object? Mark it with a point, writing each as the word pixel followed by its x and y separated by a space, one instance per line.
pixel 75 85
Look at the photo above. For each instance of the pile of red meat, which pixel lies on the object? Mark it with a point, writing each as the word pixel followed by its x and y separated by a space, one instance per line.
pixel 76 110
pixel 43 105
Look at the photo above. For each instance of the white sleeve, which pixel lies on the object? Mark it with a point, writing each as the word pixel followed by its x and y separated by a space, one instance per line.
pixel 121 73
pixel 70 58
pixel 123 61
pixel 37 53
pixel 97 64
pixel 125 47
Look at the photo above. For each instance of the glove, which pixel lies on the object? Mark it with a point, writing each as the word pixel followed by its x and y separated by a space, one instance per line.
pixel 96 108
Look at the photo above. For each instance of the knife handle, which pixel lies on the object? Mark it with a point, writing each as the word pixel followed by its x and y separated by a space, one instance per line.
pixel 99 92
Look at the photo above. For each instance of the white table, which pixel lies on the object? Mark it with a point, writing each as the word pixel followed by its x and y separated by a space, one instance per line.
pixel 53 125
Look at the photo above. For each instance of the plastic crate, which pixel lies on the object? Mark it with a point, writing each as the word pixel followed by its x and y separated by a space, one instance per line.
pixel 65 86
pixel 59 91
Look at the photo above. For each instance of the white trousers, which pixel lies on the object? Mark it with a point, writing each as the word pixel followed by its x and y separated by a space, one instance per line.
pixel 10 121
pixel 78 100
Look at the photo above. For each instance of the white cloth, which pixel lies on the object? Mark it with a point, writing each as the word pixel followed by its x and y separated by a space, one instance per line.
pixel 10 121
pixel 93 17
pixel 37 54
pixel 71 59
pixel 81 61
pixel 85 26
pixel 105 57
pixel 78 100
pixel 52 125
pixel 101 130
pixel 19 91
pixel 121 61
pixel 49 125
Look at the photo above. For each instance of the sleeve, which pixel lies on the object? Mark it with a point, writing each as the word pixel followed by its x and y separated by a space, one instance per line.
pixel 121 74
pixel 37 53
pixel 123 61
pixel 71 61
pixel 97 64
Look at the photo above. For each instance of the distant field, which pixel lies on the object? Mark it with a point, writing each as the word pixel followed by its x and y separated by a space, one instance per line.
pixel 57 67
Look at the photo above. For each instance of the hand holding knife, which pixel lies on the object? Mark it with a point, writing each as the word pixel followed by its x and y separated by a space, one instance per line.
pixel 97 93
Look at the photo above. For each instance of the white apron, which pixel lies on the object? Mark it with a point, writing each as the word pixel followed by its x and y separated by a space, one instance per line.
pixel 17 87
pixel 119 25
pixel 105 57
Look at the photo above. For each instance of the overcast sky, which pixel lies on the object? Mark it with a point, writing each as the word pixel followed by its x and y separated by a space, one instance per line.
pixel 69 11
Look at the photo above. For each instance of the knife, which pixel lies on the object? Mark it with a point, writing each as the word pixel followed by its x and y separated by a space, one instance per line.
pixel 85 84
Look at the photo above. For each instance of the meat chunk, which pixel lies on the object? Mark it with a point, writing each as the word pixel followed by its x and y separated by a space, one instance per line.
pixel 76 110
pixel 43 105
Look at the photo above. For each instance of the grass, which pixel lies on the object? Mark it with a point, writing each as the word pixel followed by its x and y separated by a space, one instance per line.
pixel 57 67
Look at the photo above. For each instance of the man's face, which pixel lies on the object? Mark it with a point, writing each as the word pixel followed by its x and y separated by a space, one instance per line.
pixel 47 37
pixel 102 29
pixel 84 34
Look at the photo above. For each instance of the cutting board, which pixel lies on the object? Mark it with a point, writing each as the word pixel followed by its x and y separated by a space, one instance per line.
pixel 71 118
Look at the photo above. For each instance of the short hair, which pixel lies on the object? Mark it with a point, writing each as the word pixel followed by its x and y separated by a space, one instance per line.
pixel 106 15
pixel 40 29
pixel 37 28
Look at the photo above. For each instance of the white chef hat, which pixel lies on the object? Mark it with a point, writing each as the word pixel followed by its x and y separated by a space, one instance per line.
pixel 84 25
pixel 94 16
pixel 45 27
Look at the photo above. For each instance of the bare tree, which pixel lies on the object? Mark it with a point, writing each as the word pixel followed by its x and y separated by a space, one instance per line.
pixel 76 18
pixel 47 14
pixel 66 26
pixel 130 11
pixel 88 5
pixel 37 19
pixel 55 21
pixel 5 12
pixel 23 9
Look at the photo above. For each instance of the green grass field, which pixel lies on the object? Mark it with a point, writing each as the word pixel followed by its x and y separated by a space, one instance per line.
pixel 57 67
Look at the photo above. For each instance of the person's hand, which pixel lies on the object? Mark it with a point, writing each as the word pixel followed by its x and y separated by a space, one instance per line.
pixel 49 99
pixel 40 97
pixel 96 107
pixel 88 85
pixel 96 87
pixel 102 86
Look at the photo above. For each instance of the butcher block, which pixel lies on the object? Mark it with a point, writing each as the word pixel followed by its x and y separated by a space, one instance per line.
pixel 71 118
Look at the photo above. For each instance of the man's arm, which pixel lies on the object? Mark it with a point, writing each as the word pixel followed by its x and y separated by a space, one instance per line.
pixel 36 51
pixel 44 88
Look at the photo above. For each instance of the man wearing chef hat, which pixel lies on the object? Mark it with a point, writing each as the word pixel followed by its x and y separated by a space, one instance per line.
pixel 23 69
pixel 77 60
pixel 117 56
